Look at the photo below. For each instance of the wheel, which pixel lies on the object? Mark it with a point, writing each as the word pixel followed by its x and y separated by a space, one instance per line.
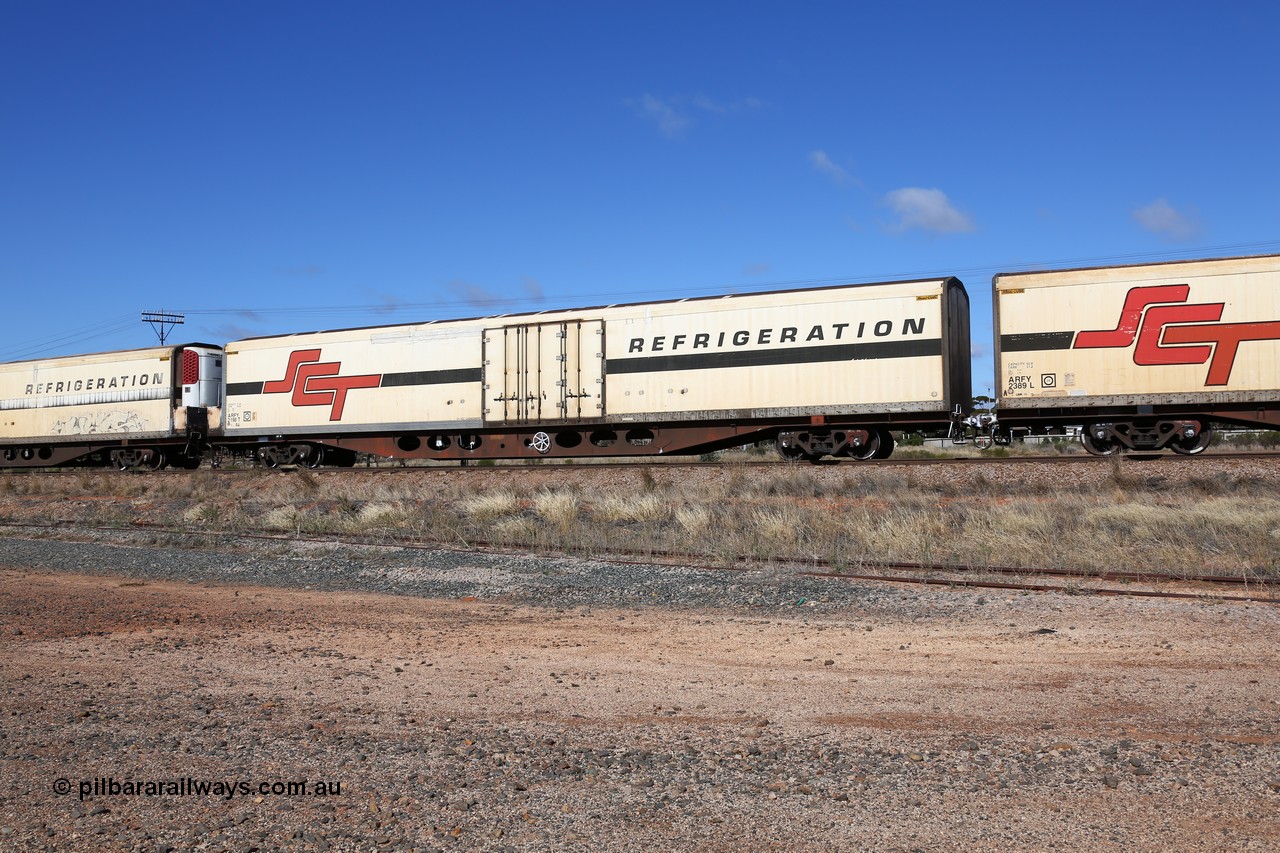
pixel 870 449
pixel 158 459
pixel 886 444
pixel 269 458
pixel 541 442
pixel 1098 445
pixel 790 452
pixel 1192 446
pixel 314 457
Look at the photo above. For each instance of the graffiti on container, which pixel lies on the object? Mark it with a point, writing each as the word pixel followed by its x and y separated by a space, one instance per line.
pixel 106 422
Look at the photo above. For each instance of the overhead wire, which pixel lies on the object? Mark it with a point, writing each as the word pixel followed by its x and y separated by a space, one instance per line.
pixel 87 333
pixel 497 302
pixel 537 299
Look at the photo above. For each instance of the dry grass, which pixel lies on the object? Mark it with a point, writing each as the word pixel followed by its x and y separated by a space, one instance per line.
pixel 695 521
pixel 648 508
pixel 560 509
pixel 1126 516
pixel 488 506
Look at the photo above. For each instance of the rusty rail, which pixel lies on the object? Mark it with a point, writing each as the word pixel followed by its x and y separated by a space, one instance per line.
pixel 922 574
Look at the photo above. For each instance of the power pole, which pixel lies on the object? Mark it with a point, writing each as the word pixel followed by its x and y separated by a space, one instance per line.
pixel 162 322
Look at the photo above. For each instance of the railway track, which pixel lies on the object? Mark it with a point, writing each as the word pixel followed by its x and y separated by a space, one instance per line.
pixel 391 470
pixel 1243 588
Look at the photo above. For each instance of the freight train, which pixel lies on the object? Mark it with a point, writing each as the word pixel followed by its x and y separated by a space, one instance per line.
pixel 1142 358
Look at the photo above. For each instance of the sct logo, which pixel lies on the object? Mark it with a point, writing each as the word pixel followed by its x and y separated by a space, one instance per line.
pixel 1155 317
pixel 317 383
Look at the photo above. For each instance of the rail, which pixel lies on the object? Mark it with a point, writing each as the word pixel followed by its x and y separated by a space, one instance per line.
pixel 923 574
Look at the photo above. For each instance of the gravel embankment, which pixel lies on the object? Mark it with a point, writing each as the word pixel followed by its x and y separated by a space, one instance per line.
pixel 497 702
pixel 544 581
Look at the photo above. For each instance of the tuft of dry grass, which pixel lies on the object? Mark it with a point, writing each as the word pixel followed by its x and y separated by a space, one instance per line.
pixel 514 531
pixel 777 527
pixel 283 518
pixel 380 515
pixel 647 508
pixel 559 508
pixel 695 521
pixel 488 506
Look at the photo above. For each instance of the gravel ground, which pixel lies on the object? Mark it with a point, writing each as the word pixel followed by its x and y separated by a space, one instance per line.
pixel 498 702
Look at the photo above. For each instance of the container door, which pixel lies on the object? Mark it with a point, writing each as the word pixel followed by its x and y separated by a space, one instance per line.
pixel 544 372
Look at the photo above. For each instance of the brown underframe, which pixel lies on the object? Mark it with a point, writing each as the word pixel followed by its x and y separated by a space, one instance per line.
pixel 667 439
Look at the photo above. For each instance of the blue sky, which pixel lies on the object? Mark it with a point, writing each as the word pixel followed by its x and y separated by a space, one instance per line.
pixel 274 167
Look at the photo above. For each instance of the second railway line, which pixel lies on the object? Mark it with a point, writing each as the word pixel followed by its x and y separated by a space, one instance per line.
pixel 1123 522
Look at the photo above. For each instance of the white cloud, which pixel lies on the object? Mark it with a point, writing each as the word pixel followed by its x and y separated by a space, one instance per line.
pixel 820 161
pixel 672 114
pixel 1162 219
pixel 670 122
pixel 928 210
